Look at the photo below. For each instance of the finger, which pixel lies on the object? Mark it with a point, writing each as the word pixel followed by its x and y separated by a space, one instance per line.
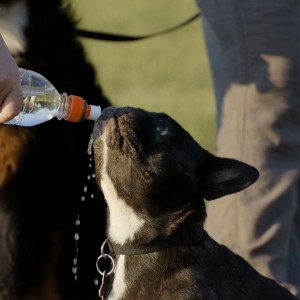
pixel 11 106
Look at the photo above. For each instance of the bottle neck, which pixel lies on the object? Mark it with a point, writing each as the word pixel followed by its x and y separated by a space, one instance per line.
pixel 64 107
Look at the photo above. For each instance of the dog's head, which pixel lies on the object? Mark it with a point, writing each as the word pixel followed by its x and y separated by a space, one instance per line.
pixel 149 162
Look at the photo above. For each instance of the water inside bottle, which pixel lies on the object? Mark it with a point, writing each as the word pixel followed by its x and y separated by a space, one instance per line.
pixel 39 106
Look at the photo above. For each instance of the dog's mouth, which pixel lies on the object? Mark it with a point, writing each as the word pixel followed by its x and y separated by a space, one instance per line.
pixel 100 125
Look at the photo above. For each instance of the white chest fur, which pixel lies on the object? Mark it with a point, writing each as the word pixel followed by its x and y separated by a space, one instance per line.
pixel 13 20
pixel 124 222
pixel 119 285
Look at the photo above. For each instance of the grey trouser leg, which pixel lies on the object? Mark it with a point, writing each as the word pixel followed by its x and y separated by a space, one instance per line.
pixel 254 52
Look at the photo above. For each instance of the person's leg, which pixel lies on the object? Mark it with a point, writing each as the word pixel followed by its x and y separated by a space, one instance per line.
pixel 254 47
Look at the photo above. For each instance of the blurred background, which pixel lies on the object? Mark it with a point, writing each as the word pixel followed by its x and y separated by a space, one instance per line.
pixel 168 73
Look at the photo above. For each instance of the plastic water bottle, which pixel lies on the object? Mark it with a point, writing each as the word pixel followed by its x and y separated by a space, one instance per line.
pixel 42 102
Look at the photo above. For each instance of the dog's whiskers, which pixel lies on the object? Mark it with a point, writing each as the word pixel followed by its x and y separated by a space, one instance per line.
pixel 194 178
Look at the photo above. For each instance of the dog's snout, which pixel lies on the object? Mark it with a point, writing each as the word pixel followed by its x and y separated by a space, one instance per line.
pixel 117 112
pixel 108 113
pixel 126 110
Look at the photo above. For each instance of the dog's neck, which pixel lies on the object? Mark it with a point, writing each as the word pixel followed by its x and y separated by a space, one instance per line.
pixel 124 223
pixel 125 226
pixel 191 234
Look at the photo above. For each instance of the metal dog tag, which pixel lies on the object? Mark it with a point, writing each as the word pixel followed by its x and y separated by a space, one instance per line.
pixel 103 287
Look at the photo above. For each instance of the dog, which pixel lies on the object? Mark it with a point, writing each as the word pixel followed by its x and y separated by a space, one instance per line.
pixel 44 169
pixel 155 178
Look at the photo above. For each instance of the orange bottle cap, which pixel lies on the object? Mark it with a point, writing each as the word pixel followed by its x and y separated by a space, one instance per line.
pixel 78 109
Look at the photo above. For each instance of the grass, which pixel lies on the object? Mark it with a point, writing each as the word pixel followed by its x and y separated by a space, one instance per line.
pixel 169 73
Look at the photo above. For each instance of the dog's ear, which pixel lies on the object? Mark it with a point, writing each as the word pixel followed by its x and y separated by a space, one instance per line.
pixel 224 176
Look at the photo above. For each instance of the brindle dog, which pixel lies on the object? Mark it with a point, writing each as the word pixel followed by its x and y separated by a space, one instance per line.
pixel 155 178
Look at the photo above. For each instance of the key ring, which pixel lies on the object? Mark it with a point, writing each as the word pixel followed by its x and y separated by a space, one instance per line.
pixel 105 256
pixel 112 264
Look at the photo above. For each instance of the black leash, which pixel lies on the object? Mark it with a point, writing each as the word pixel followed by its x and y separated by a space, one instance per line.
pixel 127 38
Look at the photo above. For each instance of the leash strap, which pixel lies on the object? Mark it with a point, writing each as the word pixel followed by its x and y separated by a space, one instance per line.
pixel 127 38
pixel 187 235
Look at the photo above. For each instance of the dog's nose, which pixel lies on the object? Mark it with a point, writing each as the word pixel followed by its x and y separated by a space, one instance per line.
pixel 107 113
pixel 102 121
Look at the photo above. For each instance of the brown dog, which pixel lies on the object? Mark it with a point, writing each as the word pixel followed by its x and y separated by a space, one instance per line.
pixel 155 178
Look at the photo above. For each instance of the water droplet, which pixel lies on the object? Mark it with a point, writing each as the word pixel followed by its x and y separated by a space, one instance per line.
pixel 82 198
pixel 76 236
pixel 85 189
pixel 93 175
pixel 74 270
pixel 75 261
pixel 90 165
pixel 89 177
pixel 75 277
pixel 77 222
pixel 92 196
pixel 90 145
pixel 96 281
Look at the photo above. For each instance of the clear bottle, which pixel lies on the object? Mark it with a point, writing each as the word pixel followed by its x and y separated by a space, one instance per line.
pixel 42 102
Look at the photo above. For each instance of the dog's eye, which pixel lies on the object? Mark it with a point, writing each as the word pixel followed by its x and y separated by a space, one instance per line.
pixel 161 128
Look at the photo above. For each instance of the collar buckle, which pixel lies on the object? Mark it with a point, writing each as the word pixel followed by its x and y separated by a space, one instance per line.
pixel 192 233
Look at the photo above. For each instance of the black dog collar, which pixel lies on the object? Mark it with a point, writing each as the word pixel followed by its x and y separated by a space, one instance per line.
pixel 187 235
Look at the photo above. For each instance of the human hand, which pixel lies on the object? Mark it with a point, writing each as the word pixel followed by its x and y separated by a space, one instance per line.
pixel 11 99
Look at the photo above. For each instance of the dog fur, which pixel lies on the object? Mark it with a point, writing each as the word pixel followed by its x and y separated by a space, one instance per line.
pixel 155 178
pixel 44 169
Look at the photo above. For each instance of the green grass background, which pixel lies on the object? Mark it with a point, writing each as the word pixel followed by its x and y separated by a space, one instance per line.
pixel 169 73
